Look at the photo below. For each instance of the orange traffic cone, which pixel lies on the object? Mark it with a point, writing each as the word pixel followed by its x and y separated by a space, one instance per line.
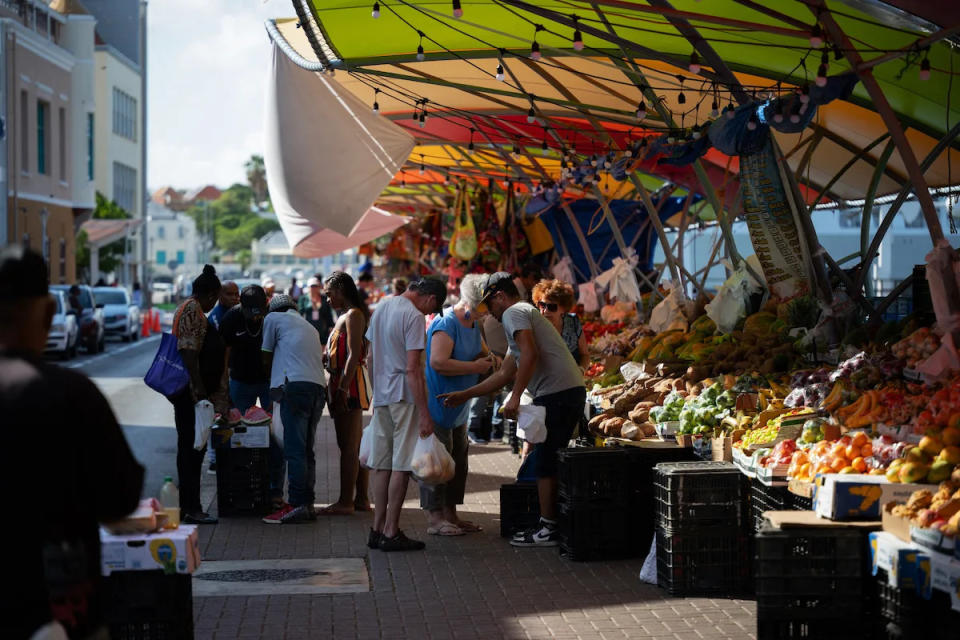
pixel 145 325
pixel 156 321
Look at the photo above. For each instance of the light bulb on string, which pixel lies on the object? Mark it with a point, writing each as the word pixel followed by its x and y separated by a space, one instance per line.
pixel 822 69
pixel 446 178
pixel 730 111
pixel 593 161
pixel 403 179
pixel 422 167
pixel 752 122
pixel 816 36
pixel 577 36
pixel 500 75
pixel 535 47
pixel 641 110
pixel 671 137
pixel 516 150
pixel 924 69
pixel 457 9
pixel 376 10
pixel 804 94
pixel 695 133
pixel 681 98
pixel 531 115
pixel 376 105
pixel 470 147
pixel 420 55
pixel 714 109
pixel 778 111
pixel 694 65
pixel 423 118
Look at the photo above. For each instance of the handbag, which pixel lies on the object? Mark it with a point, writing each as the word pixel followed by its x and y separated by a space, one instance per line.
pixel 167 375
pixel 463 244
pixel 538 236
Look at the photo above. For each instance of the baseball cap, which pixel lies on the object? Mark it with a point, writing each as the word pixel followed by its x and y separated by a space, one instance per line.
pixel 431 287
pixel 253 299
pixel 23 273
pixel 281 302
pixel 313 282
pixel 496 282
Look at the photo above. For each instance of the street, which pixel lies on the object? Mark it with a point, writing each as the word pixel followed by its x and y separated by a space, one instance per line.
pixel 475 586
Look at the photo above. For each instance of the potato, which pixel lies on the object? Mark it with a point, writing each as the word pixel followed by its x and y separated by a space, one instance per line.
pixel 629 430
pixel 612 426
pixel 647 429
pixel 639 415
pixel 595 421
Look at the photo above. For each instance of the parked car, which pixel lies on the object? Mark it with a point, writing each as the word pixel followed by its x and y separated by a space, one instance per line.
pixel 162 292
pixel 64 331
pixel 89 316
pixel 120 316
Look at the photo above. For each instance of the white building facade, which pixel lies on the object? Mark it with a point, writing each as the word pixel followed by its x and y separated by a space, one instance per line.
pixel 173 247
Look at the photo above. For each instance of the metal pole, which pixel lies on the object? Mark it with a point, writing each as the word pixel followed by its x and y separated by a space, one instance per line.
pixel 144 269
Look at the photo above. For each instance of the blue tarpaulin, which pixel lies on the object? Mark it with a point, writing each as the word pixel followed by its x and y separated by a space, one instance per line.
pixel 630 216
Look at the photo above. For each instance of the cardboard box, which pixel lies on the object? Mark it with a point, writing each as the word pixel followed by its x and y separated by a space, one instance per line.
pixel 174 551
pixel 938 571
pixel 242 437
pixel 896 557
pixel 859 496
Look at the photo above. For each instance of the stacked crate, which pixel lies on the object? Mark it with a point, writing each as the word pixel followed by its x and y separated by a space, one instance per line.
pixel 148 605
pixel 701 545
pixel 594 505
pixel 243 477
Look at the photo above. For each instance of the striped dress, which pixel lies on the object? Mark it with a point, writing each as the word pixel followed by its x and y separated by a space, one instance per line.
pixel 358 392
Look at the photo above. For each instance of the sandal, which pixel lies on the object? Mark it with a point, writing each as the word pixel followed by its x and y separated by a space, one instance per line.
pixel 445 529
pixel 468 527
pixel 335 510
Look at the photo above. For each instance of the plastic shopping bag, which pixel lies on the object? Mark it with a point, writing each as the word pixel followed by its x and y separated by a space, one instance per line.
pixel 276 425
pixel 432 463
pixel 531 423
pixel 203 415
pixel 366 444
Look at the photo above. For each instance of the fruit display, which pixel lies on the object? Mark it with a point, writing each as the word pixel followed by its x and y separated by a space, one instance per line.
pixel 917 347
pixel 927 510
pixel 611 339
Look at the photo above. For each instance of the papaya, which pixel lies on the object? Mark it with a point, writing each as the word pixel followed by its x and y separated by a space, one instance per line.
pixel 704 325
pixel 759 323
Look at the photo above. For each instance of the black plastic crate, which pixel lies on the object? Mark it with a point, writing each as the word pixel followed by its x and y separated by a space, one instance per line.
pixel 705 561
pixel 641 464
pixel 764 498
pixel 597 475
pixel 149 605
pixel 808 559
pixel 696 494
pixel 770 627
pixel 800 503
pixel 519 507
pixel 595 532
pixel 907 615
pixel 243 481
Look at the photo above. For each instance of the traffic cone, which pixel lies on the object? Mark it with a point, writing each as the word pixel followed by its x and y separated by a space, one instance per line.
pixel 145 325
pixel 156 321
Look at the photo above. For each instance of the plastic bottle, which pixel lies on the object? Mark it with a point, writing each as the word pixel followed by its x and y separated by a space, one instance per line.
pixel 170 501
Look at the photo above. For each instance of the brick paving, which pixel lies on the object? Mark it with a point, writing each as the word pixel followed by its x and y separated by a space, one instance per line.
pixel 473 586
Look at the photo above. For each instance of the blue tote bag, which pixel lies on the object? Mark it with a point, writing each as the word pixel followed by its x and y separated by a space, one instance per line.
pixel 167 375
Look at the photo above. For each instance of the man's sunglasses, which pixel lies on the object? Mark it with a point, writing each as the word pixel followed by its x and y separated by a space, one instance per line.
pixel 548 306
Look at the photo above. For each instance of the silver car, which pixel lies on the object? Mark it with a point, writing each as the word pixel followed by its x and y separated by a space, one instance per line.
pixel 120 316
pixel 64 332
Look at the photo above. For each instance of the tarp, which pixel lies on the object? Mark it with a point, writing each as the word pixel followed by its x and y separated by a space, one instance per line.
pixel 312 187
pixel 631 216
pixel 373 224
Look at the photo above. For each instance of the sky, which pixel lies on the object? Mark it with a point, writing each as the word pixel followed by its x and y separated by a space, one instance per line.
pixel 206 77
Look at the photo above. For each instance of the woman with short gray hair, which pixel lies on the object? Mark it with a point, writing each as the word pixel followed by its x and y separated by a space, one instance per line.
pixel 456 357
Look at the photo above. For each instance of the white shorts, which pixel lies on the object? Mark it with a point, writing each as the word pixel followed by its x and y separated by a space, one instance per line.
pixel 395 435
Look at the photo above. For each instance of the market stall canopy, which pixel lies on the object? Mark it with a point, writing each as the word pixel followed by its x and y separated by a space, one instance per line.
pixel 325 172
pixel 327 242
pixel 587 97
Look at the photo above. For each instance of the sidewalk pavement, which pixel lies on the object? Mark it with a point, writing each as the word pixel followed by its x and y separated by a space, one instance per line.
pixel 473 586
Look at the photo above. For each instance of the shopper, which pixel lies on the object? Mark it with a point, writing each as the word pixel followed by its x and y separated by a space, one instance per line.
pixel 538 360
pixel 202 351
pixel 242 332
pixel 85 476
pixel 137 295
pixel 528 277
pixel 554 299
pixel 229 298
pixel 348 389
pixel 455 359
pixel 400 411
pixel 293 354
pixel 294 290
pixel 316 309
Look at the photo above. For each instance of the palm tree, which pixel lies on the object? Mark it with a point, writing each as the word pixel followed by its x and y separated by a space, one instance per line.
pixel 257 178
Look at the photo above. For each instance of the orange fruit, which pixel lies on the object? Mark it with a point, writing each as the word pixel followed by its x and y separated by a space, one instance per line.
pixel 866 450
pixel 838 450
pixel 848 470
pixel 859 439
pixel 859 464
pixel 838 464
pixel 852 451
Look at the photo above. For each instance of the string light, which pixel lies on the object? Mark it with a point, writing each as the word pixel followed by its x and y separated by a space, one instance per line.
pixel 778 112
pixel 822 69
pixel 752 122
pixel 694 66
pixel 376 105
pixel 804 94
pixel 730 111
pixel 816 36
pixel 420 47
pixel 446 178
pixel 577 36
pixel 714 109
pixel 403 179
pixel 457 10
pixel 695 134
pixel 641 110
pixel 500 75
pixel 470 146
pixel 681 98
pixel 535 47
pixel 516 150
pixel 376 10
pixel 423 118
pixel 422 168
pixel 531 116
pixel 925 68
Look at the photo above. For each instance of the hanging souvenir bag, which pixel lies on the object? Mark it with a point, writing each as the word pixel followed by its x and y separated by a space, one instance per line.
pixel 463 244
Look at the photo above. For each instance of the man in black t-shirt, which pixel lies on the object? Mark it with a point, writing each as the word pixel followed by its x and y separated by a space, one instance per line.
pixel 85 475
pixel 242 331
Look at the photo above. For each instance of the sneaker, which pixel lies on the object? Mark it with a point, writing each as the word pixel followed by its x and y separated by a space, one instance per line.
pixel 198 517
pixel 400 542
pixel 289 514
pixel 373 541
pixel 476 440
pixel 543 536
pixel 212 469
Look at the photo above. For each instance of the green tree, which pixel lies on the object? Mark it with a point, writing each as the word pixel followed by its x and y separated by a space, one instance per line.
pixel 257 178
pixel 234 222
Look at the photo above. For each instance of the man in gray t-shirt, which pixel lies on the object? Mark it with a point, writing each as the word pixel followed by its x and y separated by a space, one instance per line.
pixel 537 360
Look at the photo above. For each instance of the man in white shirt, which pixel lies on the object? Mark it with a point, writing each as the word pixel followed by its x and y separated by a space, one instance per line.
pixel 294 356
pixel 397 334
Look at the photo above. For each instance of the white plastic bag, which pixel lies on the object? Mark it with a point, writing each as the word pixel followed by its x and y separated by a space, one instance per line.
pixel 203 415
pixel 432 463
pixel 531 423
pixel 730 303
pixel 668 314
pixel 366 444
pixel 276 425
pixel 588 297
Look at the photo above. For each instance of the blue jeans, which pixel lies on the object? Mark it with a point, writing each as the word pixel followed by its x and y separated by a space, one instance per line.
pixel 244 395
pixel 484 418
pixel 300 411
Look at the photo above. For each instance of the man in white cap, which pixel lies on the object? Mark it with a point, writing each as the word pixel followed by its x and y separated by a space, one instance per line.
pixel 315 309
